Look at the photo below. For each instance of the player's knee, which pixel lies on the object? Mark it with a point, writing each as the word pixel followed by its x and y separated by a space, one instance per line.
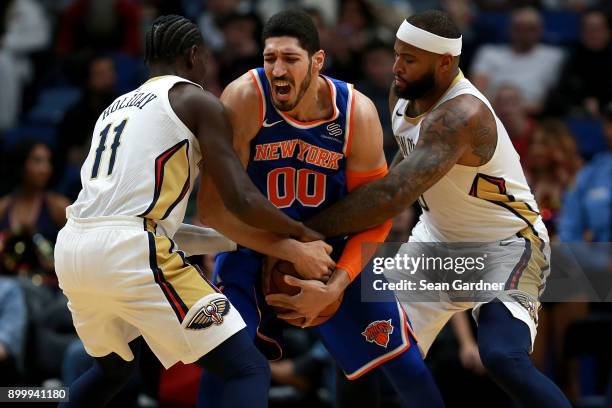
pixel 504 363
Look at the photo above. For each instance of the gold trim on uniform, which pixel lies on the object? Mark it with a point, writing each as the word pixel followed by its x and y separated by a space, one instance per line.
pixel 493 189
pixel 184 278
pixel 176 174
pixel 526 282
pixel 171 180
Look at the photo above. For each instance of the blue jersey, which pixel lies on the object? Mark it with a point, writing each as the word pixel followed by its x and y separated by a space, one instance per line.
pixel 300 166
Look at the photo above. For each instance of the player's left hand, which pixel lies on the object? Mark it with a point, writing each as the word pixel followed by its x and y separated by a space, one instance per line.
pixel 314 296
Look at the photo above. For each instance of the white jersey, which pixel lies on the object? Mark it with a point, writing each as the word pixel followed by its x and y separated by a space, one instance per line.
pixel 472 204
pixel 143 160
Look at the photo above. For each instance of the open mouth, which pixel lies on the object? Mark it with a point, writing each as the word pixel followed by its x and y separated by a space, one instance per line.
pixel 282 90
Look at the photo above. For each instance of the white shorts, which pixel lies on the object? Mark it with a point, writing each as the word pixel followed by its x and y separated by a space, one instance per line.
pixel 123 281
pixel 521 261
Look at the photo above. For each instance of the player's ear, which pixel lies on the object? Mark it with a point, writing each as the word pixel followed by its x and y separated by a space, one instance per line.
pixel 318 59
pixel 446 63
pixel 192 56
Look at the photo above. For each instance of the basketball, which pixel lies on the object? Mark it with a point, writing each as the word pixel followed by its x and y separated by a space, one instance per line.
pixel 278 285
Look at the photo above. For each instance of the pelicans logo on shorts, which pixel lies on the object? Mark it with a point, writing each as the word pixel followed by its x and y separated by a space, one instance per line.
pixel 378 332
pixel 210 314
pixel 528 302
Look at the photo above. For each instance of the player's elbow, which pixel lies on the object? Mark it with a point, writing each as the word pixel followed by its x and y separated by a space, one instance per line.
pixel 241 205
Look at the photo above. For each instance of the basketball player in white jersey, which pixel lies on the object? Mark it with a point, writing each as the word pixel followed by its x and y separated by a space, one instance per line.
pixel 457 160
pixel 116 259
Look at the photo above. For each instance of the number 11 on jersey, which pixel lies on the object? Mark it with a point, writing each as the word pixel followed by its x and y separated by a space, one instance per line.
pixel 102 147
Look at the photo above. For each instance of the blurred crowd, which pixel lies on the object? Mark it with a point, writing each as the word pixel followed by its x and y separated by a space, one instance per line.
pixel 546 66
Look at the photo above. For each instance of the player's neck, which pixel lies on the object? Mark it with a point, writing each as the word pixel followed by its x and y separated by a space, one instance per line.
pixel 315 104
pixel 158 70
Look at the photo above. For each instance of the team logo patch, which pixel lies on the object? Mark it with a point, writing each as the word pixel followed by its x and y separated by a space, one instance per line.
pixel 528 302
pixel 210 314
pixel 334 129
pixel 378 332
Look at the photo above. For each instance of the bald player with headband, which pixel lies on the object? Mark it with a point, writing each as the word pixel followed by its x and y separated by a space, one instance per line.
pixel 457 160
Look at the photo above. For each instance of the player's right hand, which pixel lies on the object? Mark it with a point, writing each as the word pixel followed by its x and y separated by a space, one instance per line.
pixel 312 260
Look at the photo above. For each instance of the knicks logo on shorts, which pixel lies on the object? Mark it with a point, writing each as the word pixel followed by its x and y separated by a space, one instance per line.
pixel 378 332
pixel 210 314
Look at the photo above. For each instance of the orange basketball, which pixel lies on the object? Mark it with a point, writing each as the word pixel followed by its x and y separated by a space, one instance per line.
pixel 278 285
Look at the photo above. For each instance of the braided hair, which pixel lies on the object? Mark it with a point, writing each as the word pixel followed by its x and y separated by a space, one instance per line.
pixel 169 37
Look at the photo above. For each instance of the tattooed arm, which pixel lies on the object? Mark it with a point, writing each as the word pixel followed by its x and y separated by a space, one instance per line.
pixel 460 131
pixel 397 159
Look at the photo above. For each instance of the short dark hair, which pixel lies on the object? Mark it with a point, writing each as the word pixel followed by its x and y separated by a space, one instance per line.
pixel 436 22
pixel 169 37
pixel 293 23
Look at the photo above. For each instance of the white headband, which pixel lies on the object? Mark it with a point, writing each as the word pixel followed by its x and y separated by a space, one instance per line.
pixel 428 41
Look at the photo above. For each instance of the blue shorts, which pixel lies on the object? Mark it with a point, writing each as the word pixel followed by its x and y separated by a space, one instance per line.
pixel 360 336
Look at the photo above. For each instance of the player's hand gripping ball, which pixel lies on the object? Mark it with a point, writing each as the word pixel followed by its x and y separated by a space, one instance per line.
pixel 277 284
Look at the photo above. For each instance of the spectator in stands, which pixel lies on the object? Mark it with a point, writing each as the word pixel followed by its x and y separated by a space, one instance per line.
pixel 356 27
pixel 31 206
pixel 377 65
pixel 551 164
pixel 209 22
pixel 305 368
pixel 24 29
pixel 242 49
pixel 526 63
pixel 212 80
pixel 586 84
pixel 587 217
pixel 505 5
pixel 112 25
pixel 74 133
pixel 587 208
pixel 575 5
pixel 464 15
pixel 12 331
pixel 511 111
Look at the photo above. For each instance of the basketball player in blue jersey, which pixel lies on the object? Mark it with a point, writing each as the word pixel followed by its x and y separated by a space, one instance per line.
pixel 306 140
pixel 116 258
pixel 457 160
